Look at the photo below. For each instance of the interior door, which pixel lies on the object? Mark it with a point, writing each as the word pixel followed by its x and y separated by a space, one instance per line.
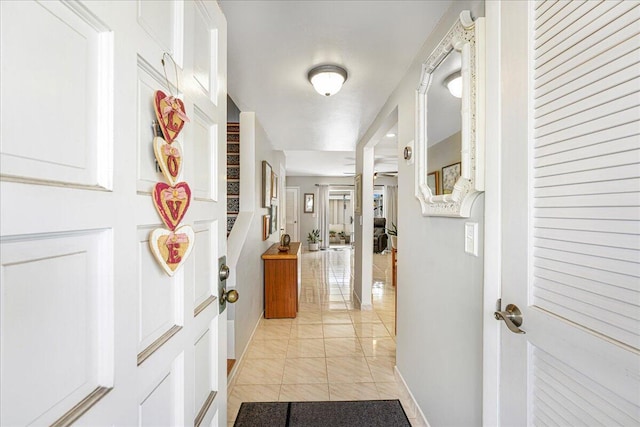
pixel 93 331
pixel 570 219
pixel 292 209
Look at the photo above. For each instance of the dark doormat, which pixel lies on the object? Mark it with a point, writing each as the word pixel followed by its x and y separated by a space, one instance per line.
pixel 358 413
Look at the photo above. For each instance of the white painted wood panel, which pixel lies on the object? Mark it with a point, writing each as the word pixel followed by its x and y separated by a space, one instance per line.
pixel 566 396
pixel 570 208
pixel 163 403
pixel 163 21
pixel 59 78
pixel 203 49
pixel 67 338
pixel 203 157
pixel 202 369
pixel 159 296
pixel 561 19
pixel 620 56
pixel 203 267
pixel 55 323
pixel 598 25
pixel 606 101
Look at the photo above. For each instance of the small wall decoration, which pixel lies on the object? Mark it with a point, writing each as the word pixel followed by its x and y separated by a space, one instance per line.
pixel 169 157
pixel 433 181
pixel 274 185
pixel 171 248
pixel 357 206
pixel 309 202
pixel 172 202
pixel 450 175
pixel 266 226
pixel 266 184
pixel 274 218
pixel 170 114
pixel 170 109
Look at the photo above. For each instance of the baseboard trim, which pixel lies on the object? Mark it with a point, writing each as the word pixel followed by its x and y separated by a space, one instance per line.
pixel 231 378
pixel 418 414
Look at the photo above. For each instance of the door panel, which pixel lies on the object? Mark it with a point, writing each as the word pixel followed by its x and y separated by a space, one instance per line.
pixel 570 238
pixel 70 143
pixel 93 331
pixel 292 209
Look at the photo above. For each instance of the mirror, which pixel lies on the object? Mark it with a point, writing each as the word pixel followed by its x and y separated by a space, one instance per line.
pixel 450 127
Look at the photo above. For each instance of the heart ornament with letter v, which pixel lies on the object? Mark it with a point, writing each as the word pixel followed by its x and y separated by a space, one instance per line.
pixel 172 248
pixel 170 113
pixel 169 157
pixel 172 202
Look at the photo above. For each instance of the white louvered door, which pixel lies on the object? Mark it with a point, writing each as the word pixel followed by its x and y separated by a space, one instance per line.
pixel 571 213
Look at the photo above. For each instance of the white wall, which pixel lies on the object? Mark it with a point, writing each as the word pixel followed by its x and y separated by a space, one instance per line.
pixel 439 340
pixel 249 271
pixel 307 184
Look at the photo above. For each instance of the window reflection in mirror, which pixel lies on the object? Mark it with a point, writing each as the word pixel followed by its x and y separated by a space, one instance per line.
pixel 443 126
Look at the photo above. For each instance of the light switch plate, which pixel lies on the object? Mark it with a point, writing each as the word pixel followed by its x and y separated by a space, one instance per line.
pixel 471 238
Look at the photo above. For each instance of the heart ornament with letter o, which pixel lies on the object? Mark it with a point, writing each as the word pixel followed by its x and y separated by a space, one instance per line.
pixel 172 202
pixel 170 113
pixel 169 157
pixel 172 248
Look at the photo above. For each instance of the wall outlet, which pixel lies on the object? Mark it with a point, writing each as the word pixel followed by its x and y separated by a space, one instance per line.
pixel 471 238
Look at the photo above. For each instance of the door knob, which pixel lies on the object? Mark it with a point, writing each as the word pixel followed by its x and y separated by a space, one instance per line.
pixel 223 273
pixel 512 317
pixel 230 296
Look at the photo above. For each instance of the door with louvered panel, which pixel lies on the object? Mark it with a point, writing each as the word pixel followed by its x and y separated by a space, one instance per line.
pixel 571 212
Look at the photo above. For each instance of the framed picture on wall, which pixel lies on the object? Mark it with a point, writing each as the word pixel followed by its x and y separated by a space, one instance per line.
pixel 450 175
pixel 274 219
pixel 266 225
pixel 433 181
pixel 309 202
pixel 266 184
pixel 274 185
pixel 357 206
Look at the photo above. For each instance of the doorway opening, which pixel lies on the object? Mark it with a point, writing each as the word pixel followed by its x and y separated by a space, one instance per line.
pixel 340 217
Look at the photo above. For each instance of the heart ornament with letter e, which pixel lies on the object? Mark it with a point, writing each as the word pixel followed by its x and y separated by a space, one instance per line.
pixel 169 157
pixel 170 113
pixel 172 248
pixel 172 202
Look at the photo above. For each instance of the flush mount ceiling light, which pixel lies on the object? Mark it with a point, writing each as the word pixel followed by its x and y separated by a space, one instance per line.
pixel 454 84
pixel 327 80
pixel 390 135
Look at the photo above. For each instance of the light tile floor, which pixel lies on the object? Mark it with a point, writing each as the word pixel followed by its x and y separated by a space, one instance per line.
pixel 331 350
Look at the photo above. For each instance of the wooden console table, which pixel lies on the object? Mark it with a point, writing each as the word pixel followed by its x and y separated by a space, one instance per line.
pixel 281 281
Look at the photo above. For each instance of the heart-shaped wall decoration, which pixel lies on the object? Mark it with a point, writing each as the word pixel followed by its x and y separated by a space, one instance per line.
pixel 170 113
pixel 172 202
pixel 169 157
pixel 172 248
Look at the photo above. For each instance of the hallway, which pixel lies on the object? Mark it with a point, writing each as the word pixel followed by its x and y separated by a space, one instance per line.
pixel 331 351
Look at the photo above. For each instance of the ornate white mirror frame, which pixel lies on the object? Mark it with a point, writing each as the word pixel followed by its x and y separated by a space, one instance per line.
pixel 466 37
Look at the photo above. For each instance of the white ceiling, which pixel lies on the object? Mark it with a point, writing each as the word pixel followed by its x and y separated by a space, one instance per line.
pixel 273 44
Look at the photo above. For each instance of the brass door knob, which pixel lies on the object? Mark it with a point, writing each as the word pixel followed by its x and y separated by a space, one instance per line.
pixel 230 296
pixel 512 317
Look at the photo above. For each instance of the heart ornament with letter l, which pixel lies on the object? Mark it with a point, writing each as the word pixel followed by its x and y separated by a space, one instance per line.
pixel 170 113
pixel 169 157
pixel 172 202
pixel 171 248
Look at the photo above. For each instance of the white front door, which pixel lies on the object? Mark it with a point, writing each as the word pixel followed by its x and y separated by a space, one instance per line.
pixel 93 330
pixel 292 209
pixel 570 217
